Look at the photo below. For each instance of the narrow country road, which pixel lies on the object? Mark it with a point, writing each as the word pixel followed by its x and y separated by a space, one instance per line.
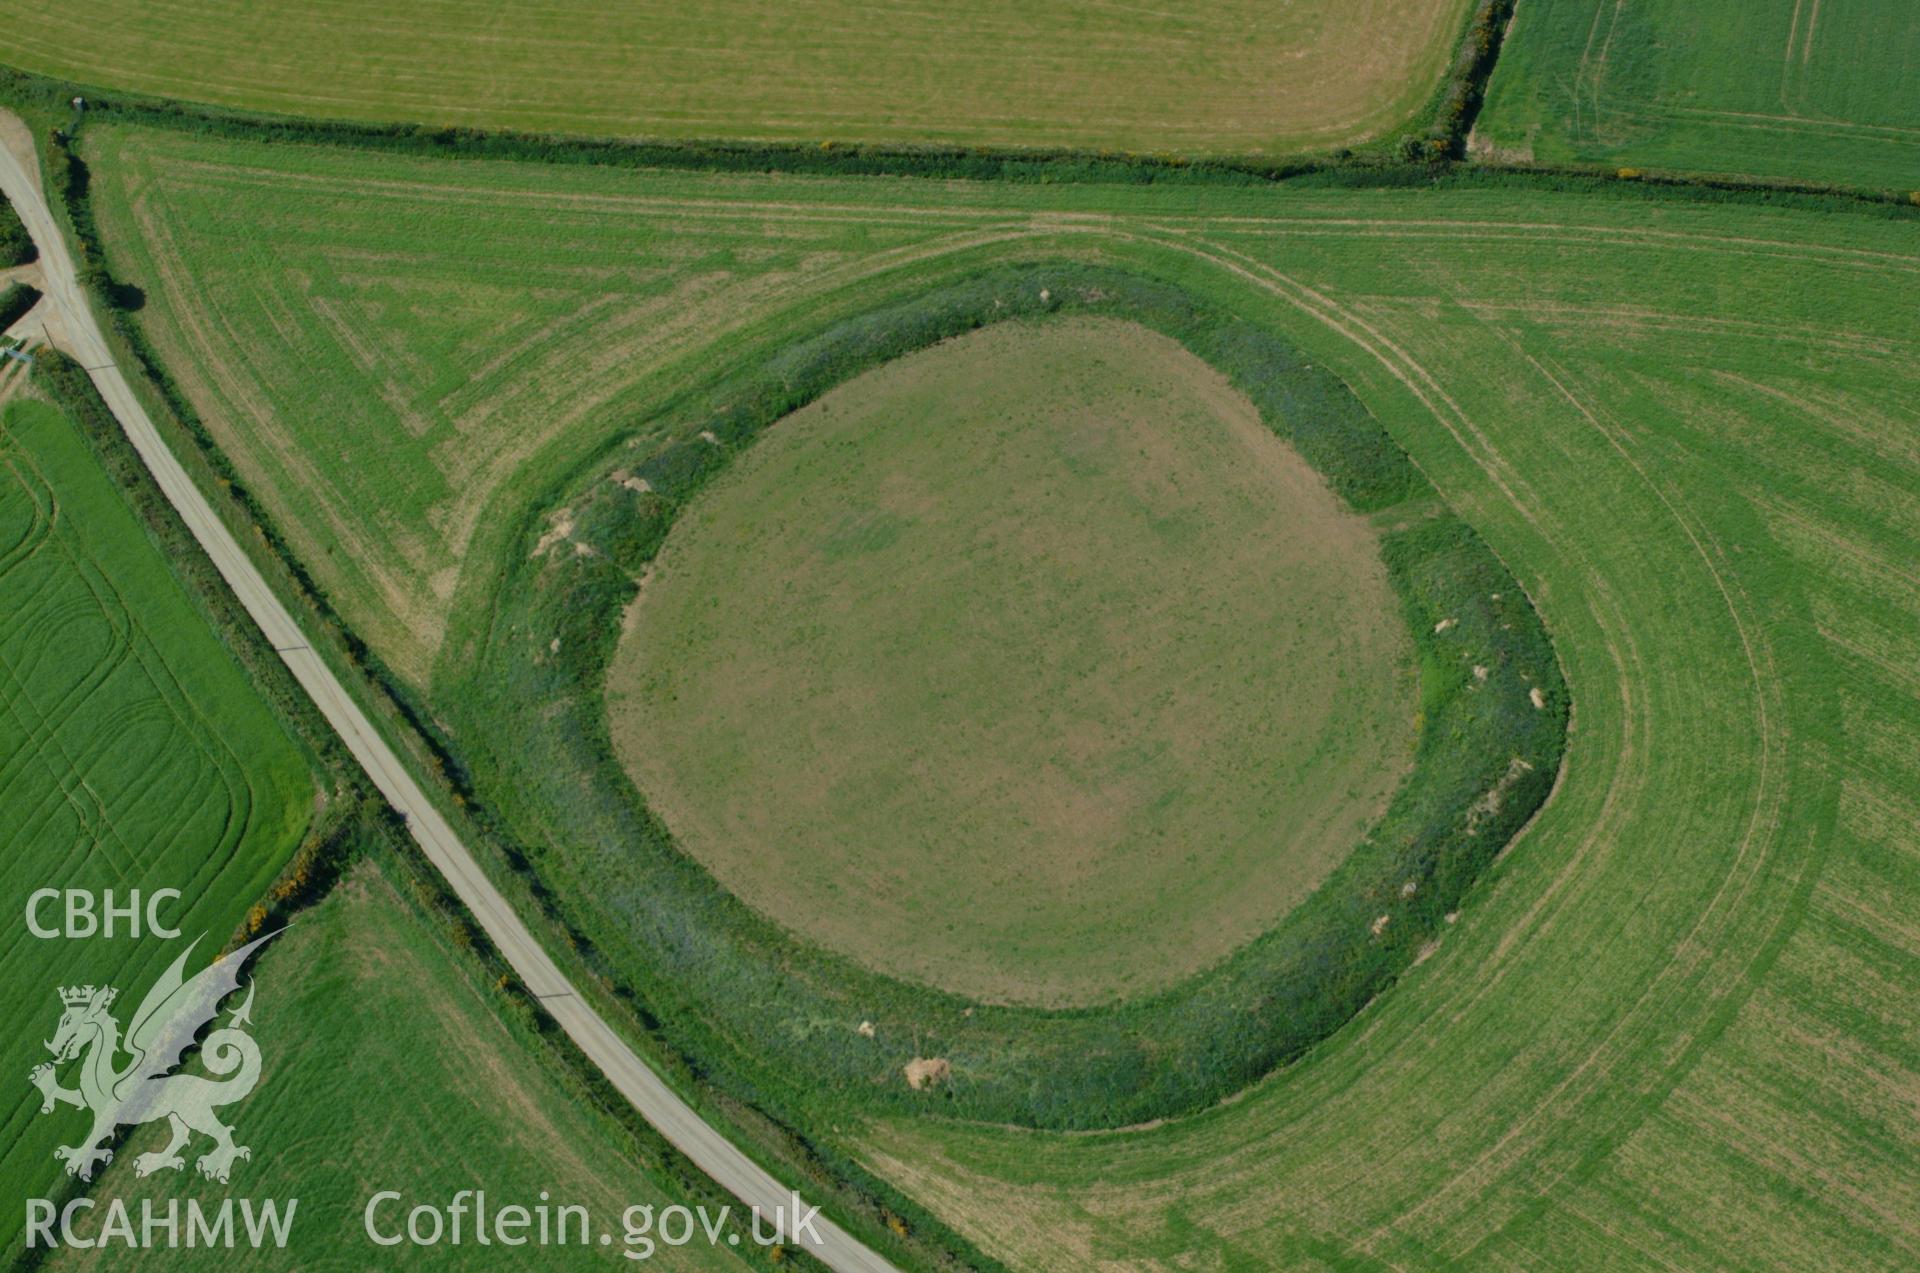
pixel 660 1105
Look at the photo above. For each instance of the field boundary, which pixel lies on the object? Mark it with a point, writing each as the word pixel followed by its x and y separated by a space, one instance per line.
pixel 327 845
pixel 1437 127
pixel 1430 154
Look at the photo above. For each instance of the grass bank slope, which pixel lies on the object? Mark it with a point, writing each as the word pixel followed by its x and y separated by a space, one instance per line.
pixel 1783 89
pixel 1671 1030
pixel 1240 76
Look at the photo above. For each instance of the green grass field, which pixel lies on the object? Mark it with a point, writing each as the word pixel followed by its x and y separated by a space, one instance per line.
pixel 1796 89
pixel 133 755
pixel 1670 1028
pixel 389 1063
pixel 389 1068
pixel 1233 77
pixel 979 669
pixel 513 321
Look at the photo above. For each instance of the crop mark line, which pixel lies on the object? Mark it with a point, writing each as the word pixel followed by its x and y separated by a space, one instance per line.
pixel 1806 44
pixel 1786 58
pixel 132 648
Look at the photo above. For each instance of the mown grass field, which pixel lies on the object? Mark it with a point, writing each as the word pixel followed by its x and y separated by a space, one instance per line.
pixel 1794 89
pixel 1233 77
pixel 1031 666
pixel 388 1067
pixel 1671 1028
pixel 133 755
pixel 389 418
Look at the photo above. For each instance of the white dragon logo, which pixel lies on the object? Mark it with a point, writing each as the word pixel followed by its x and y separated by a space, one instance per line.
pixel 143 1091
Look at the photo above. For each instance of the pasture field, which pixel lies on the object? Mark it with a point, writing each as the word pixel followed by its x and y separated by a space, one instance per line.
pixel 511 319
pixel 1794 89
pixel 389 1067
pixel 134 754
pixel 138 755
pixel 1238 76
pixel 1670 1027
pixel 1053 674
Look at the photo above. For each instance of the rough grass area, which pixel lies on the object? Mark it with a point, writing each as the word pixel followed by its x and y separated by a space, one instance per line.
pixel 1239 76
pixel 133 755
pixel 387 1067
pixel 1784 89
pixel 1031 666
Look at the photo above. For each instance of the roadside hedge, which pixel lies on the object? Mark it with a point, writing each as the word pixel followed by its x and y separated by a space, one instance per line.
pixel 16 301
pixel 355 817
pixel 16 245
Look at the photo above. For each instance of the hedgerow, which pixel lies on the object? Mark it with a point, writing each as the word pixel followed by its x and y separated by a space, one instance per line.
pixel 16 245
pixel 16 301
pixel 1423 157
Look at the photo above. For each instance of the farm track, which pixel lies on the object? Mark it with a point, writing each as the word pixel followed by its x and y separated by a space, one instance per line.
pixel 660 1105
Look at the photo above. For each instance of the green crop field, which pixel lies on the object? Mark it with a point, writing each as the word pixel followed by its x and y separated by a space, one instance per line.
pixel 133 755
pixel 1238 76
pixel 388 1061
pixel 388 1068
pixel 1796 89
pixel 1668 1028
pixel 897 624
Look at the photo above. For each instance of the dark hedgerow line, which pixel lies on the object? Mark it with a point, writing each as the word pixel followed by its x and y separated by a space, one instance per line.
pixel 1473 68
pixel 15 301
pixel 70 182
pixel 16 245
pixel 355 822
pixel 338 831
pixel 1438 131
pixel 773 1019
pixel 317 862
pixel 1423 157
